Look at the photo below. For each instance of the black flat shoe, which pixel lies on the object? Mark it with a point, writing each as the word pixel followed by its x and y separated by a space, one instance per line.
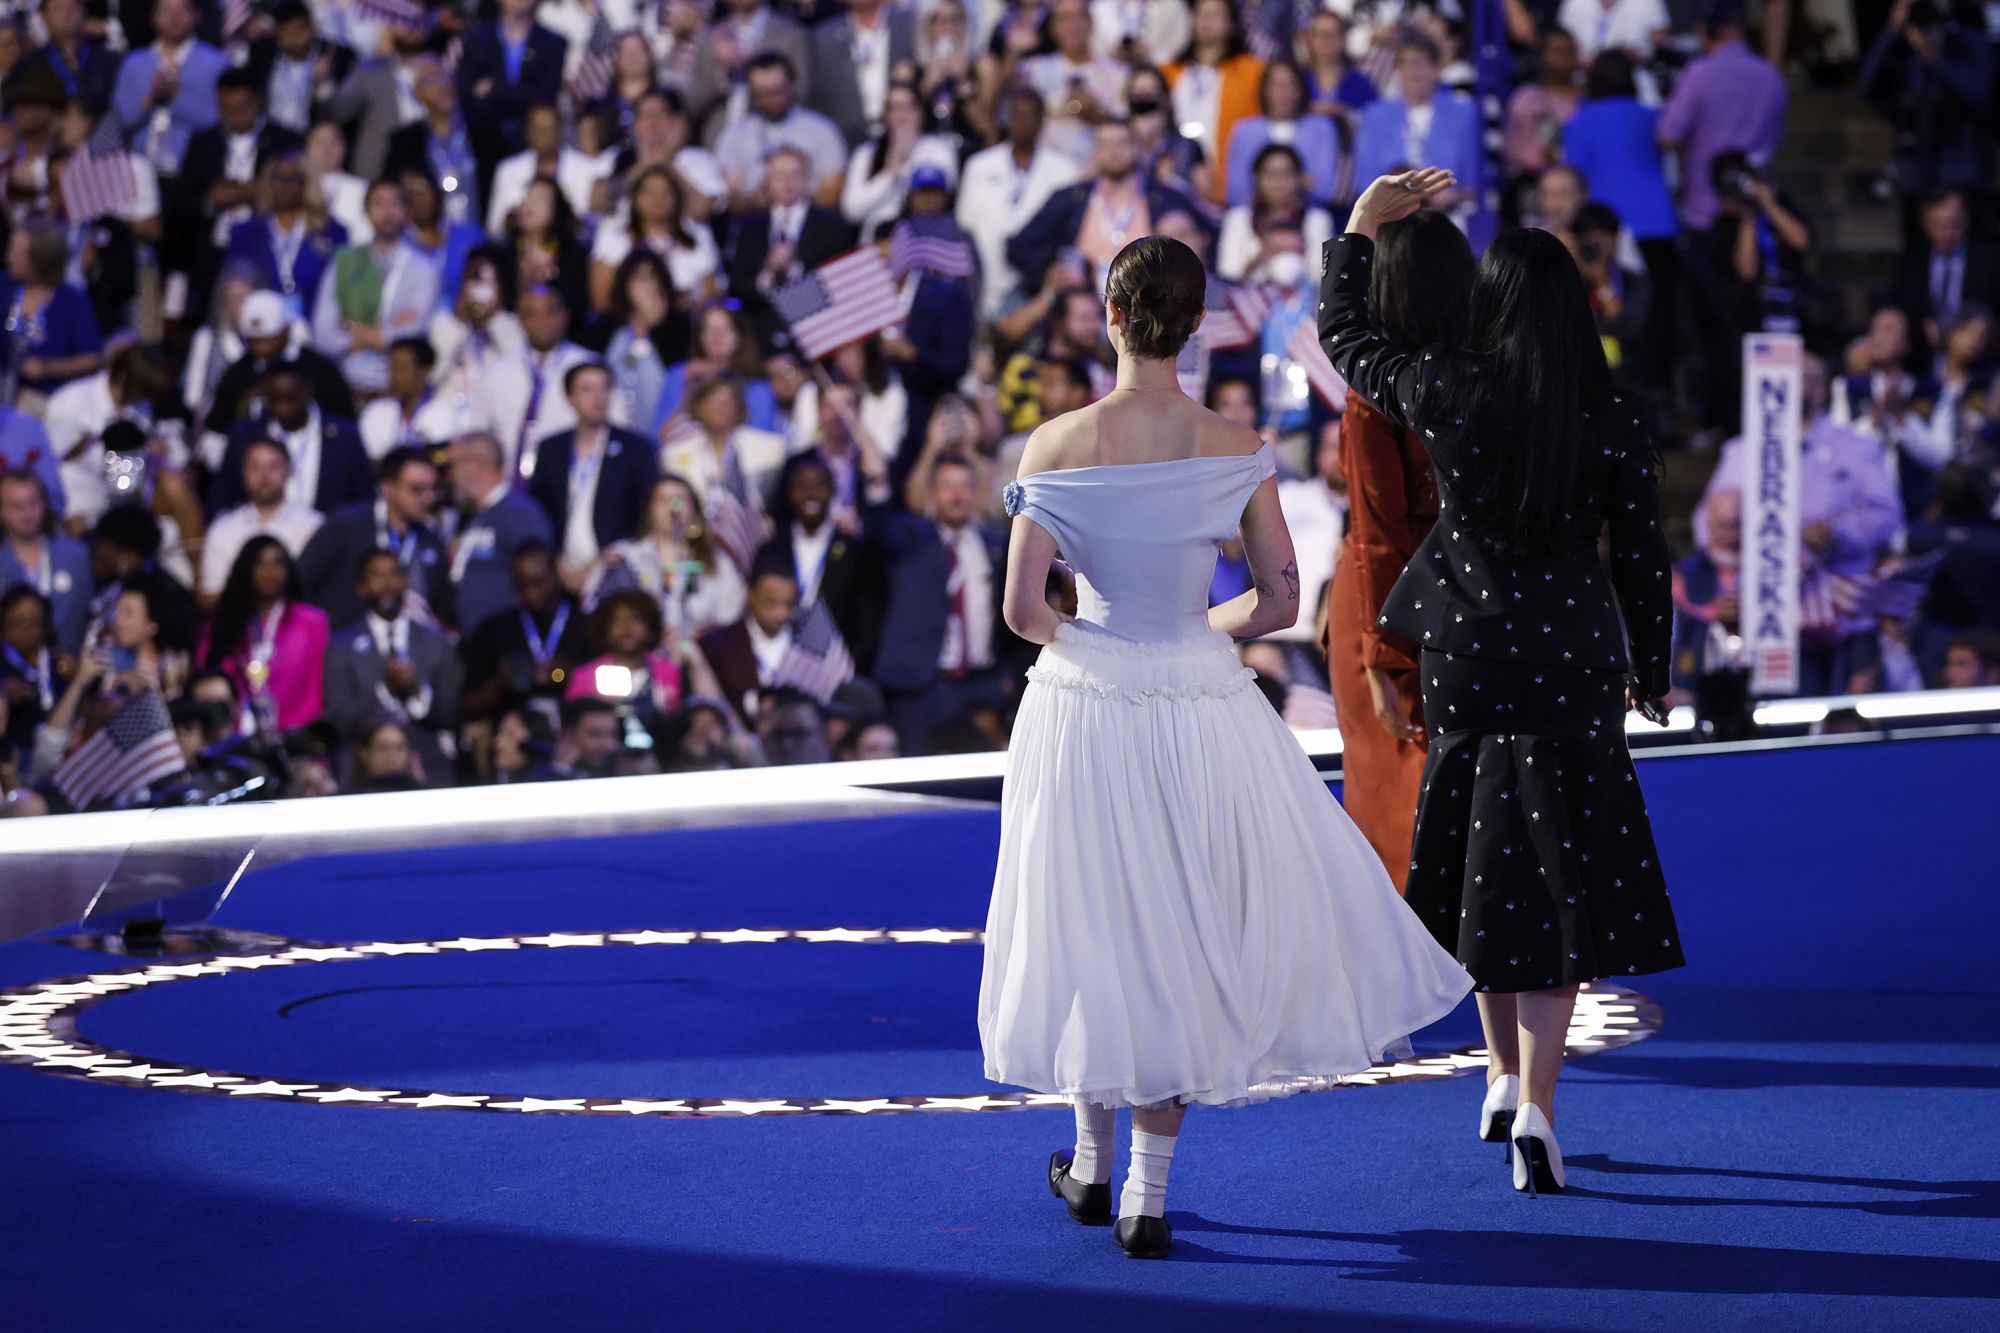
pixel 1088 1204
pixel 1144 1237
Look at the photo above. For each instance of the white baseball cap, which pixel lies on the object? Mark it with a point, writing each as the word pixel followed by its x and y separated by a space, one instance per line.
pixel 702 171
pixel 263 316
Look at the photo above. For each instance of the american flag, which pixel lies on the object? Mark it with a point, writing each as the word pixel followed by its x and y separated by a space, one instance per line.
pixel 236 16
pixel 100 180
pixel 135 748
pixel 1826 598
pixel 593 75
pixel 1191 366
pixel 842 301
pixel 1237 313
pixel 817 661
pixel 1305 352
pixel 398 15
pixel 932 242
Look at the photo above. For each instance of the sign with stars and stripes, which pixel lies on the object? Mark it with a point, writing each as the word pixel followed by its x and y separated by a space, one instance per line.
pixel 1305 352
pixel 397 15
pixel 130 752
pixel 1237 313
pixel 842 301
pixel 817 661
pixel 931 243
pixel 593 74
pixel 100 180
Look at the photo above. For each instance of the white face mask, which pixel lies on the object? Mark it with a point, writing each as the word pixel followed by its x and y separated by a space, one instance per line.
pixel 1287 269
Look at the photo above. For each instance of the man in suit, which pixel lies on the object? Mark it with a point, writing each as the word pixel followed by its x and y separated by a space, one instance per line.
pixel 218 181
pixel 1952 269
pixel 398 520
pixel 389 665
pixel 745 654
pixel 500 520
pixel 504 68
pixel 851 59
pixel 594 480
pixel 827 564
pixel 524 652
pixel 440 144
pixel 944 656
pixel 1096 216
pixel 220 170
pixel 770 247
pixel 330 467
pixel 86 66
pixel 747 29
pixel 298 72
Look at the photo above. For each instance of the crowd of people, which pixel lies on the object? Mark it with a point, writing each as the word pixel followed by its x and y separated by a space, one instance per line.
pixel 413 394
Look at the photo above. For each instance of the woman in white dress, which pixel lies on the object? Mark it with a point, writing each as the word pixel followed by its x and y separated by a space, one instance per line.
pixel 1181 911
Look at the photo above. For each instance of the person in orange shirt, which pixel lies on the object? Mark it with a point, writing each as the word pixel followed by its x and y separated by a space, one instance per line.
pixel 1215 84
pixel 1422 288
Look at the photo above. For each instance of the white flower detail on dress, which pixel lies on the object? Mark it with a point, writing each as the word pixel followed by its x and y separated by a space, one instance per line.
pixel 1014 496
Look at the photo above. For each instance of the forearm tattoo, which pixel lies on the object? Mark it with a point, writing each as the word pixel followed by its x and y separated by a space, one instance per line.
pixel 1290 574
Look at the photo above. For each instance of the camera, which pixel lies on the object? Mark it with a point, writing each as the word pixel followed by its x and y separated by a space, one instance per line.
pixel 127 463
pixel 1590 250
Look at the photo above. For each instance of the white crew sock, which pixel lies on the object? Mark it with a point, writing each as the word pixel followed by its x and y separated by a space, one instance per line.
pixel 1094 1127
pixel 1145 1192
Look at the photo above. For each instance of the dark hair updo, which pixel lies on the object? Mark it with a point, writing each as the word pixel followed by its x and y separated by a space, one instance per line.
pixel 1162 288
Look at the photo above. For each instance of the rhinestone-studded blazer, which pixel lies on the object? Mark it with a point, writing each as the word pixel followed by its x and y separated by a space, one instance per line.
pixel 1473 595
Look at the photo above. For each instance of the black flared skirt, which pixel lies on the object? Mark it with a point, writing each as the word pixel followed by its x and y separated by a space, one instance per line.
pixel 1533 860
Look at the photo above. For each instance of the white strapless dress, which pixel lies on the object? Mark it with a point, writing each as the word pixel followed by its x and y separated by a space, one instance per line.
pixel 1181 911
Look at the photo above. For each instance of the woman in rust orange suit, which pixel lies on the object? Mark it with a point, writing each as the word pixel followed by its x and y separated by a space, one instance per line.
pixel 1421 290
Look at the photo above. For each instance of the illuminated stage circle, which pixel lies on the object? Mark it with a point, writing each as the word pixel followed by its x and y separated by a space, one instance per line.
pixel 38 1031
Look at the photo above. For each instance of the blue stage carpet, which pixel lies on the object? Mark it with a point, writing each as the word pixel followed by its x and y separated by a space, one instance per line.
pixel 1812 1141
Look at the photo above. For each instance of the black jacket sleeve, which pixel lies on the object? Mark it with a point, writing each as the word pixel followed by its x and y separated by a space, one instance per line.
pixel 1390 380
pixel 1641 566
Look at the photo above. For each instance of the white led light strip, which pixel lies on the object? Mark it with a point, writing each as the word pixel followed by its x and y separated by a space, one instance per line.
pixel 38 1031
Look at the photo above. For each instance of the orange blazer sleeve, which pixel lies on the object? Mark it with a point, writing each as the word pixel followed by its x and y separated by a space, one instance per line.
pixel 1392 504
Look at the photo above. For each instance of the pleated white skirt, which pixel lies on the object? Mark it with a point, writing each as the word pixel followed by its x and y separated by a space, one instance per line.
pixel 1181 910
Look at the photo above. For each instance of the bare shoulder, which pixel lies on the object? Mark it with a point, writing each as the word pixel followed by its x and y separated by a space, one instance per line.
pixel 1220 437
pixel 1064 442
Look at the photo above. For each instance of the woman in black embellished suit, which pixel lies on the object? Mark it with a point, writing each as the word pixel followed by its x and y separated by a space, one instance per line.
pixel 1533 858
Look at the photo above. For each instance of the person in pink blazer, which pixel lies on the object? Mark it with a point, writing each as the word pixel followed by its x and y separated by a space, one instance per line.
pixel 267 639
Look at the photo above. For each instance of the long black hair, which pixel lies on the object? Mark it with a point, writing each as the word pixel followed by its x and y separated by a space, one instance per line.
pixel 1537 373
pixel 237 605
pixel 1422 288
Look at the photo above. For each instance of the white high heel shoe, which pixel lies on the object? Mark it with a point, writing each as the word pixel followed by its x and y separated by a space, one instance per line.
pixel 1497 1114
pixel 1538 1162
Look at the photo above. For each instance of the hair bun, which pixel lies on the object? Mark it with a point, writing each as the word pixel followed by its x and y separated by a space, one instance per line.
pixel 1161 287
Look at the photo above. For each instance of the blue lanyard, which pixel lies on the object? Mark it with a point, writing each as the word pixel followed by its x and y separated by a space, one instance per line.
pixel 542 647
pixel 37 675
pixel 62 69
